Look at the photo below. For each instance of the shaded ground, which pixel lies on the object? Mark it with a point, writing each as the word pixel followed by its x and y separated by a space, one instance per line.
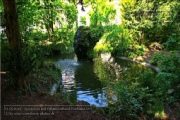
pixel 10 97
pixel 150 53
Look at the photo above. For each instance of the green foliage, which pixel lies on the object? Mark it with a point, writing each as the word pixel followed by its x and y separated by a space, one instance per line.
pixel 131 100
pixel 43 77
pixel 102 12
pixel 48 21
pixel 105 74
pixel 151 20
pixel 145 95
pixel 83 21
pixel 31 56
pixel 53 71
pixel 48 27
pixel 110 39
pixel 167 63
pixel 29 18
pixel 172 44
pixel 140 92
pixel 88 39
pixel 118 41
pixel 62 41
pixel 2 19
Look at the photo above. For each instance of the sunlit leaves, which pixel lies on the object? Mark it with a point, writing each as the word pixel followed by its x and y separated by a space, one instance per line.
pixel 150 19
pixel 115 40
pixel 102 12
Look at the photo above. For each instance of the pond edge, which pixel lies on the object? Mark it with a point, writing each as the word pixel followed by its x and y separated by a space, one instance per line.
pixel 142 63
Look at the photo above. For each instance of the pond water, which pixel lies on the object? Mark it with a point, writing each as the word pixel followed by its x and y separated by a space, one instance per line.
pixel 82 80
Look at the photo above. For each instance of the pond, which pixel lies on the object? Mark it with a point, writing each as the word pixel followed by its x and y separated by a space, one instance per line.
pixel 83 80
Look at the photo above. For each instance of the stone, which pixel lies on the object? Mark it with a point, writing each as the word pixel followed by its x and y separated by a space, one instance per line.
pixel 170 91
pixel 105 57
pixel 85 40
pixel 81 42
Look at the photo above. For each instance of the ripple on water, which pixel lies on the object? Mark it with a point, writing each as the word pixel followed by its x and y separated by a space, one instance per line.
pixel 76 87
pixel 67 64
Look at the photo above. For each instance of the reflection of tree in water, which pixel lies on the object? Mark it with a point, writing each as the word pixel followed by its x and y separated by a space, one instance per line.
pixel 131 71
pixel 68 84
pixel 103 72
pixel 90 84
pixel 80 83
pixel 84 74
pixel 106 72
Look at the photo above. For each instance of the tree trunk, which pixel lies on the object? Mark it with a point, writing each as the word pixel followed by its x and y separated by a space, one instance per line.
pixel 14 39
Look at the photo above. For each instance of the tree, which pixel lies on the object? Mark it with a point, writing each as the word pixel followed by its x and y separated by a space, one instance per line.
pixel 103 12
pixel 151 20
pixel 15 43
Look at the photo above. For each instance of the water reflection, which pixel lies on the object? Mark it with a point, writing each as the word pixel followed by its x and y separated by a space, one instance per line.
pixel 92 81
pixel 128 71
pixel 106 75
pixel 89 88
pixel 80 83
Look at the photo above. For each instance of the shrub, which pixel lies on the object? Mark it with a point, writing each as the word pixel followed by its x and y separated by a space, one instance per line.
pixel 167 63
pixel 172 44
pixel 115 40
pixel 169 78
pixel 131 102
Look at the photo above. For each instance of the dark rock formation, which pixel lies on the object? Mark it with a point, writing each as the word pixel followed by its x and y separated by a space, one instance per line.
pixel 85 40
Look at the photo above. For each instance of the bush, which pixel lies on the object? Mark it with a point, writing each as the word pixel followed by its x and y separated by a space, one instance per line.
pixel 167 63
pixel 131 102
pixel 172 44
pixel 42 78
pixel 151 20
pixel 169 78
pixel 115 40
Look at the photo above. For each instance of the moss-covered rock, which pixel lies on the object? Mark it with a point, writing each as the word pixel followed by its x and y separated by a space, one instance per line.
pixel 85 40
